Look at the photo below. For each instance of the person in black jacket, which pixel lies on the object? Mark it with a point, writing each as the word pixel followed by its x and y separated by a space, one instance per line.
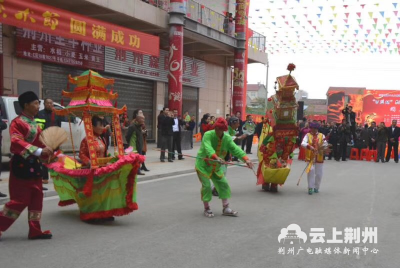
pixel 3 126
pixel 191 127
pixel 393 141
pixel 350 118
pixel 344 138
pixel 372 135
pixel 333 139
pixel 259 127
pixel 167 121
pixel 135 136
pixel 176 135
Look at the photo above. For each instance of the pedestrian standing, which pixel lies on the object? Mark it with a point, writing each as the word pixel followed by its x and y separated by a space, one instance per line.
pixel 393 141
pixel 177 138
pixel 167 121
pixel 381 140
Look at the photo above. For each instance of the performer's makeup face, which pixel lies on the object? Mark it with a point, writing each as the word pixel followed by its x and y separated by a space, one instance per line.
pixel 98 129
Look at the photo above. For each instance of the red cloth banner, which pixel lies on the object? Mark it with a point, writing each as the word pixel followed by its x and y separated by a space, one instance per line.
pixel 118 135
pixel 54 21
pixel 381 106
pixel 87 119
pixel 39 46
pixel 175 68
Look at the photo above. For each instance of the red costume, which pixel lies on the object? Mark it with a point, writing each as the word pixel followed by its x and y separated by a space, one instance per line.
pixel 99 145
pixel 24 192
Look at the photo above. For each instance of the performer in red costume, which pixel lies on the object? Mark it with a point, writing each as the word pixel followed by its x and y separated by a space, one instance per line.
pixel 26 169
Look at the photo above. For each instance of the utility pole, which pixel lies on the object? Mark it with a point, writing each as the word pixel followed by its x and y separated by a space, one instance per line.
pixel 266 85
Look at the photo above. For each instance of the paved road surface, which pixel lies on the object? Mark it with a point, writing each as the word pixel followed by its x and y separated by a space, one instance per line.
pixel 169 229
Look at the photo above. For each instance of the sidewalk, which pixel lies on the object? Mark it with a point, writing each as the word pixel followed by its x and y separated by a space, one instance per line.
pixel 157 168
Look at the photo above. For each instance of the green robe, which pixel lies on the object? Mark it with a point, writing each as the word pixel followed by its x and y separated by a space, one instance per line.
pixel 212 146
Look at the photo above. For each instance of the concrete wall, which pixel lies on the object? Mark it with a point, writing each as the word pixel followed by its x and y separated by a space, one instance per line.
pixel 214 98
pixel 17 68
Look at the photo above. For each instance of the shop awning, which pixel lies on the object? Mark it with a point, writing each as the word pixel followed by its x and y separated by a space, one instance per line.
pixel 54 21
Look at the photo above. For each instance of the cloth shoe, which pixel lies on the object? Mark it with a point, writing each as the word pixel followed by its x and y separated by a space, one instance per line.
pixel 310 191
pixel 227 211
pixel 316 190
pixel 208 213
pixel 45 235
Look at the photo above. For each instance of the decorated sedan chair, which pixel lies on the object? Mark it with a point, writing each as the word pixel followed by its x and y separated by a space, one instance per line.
pixel 103 186
pixel 278 136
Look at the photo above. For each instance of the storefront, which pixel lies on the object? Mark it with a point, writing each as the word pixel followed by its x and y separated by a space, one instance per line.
pixel 145 70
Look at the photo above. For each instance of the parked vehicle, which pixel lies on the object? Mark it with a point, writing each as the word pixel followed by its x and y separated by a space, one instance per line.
pixel 10 109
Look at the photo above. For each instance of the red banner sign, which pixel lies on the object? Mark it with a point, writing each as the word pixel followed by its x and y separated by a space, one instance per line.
pixel 54 21
pixel 56 49
pixel 381 106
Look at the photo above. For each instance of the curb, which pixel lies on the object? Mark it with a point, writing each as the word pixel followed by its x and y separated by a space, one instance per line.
pixel 51 193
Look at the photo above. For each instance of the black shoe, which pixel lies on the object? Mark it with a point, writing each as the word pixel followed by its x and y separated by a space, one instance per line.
pixel 45 235
pixel 344 160
pixel 170 160
pixel 109 219
pixel 173 158
pixel 249 153
pixel 145 169
pixel 140 173
pixel 45 189
pixel 181 158
pixel 215 192
pixel 386 160
pixel 396 162
pixel 265 187
pixel 2 195
pixel 162 160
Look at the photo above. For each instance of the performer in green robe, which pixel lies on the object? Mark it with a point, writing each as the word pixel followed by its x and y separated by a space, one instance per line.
pixel 210 159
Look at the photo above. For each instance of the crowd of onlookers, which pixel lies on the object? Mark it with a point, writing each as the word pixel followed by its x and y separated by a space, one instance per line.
pixel 349 133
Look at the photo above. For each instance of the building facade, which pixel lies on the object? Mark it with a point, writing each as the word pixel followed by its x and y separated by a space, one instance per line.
pixel 41 62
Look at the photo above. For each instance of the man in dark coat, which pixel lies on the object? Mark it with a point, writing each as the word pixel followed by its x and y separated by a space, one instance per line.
pixel 344 138
pixel 167 121
pixel 372 135
pixel 393 141
pixel 134 137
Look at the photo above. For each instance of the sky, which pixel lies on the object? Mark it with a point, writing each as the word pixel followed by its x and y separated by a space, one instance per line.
pixel 341 43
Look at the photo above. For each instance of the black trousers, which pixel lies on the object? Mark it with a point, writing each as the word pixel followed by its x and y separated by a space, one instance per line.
pixel 334 152
pixel 166 144
pixel 343 150
pixel 372 145
pixel 45 171
pixel 176 144
pixel 395 146
pixel 249 143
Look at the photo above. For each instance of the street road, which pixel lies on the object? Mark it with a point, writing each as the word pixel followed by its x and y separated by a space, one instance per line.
pixel 169 229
